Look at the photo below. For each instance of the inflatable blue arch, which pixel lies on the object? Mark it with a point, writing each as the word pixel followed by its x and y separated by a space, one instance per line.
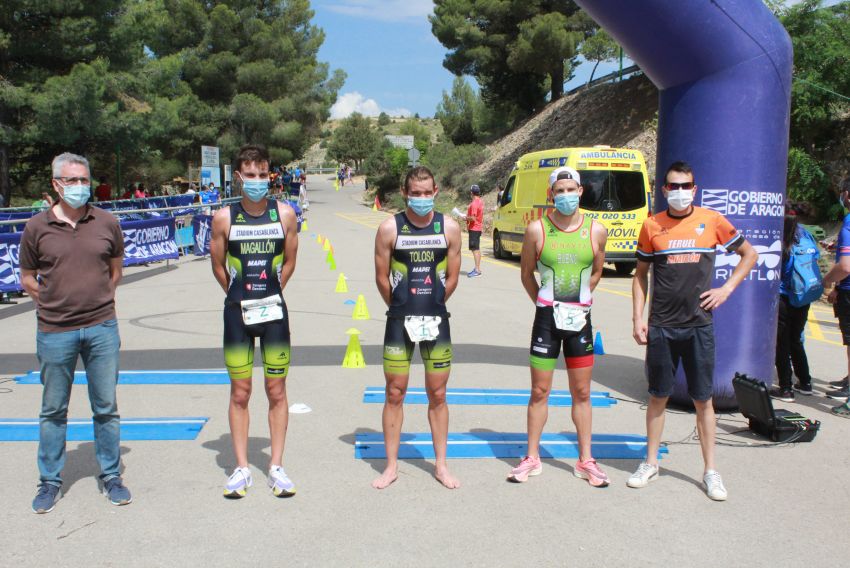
pixel 723 70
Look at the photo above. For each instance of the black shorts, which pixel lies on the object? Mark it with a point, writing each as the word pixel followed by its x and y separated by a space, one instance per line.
pixel 546 341
pixel 239 344
pixel 693 347
pixel 398 348
pixel 474 240
pixel 841 309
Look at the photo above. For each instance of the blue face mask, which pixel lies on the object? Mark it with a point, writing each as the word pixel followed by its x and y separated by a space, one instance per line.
pixel 255 189
pixel 566 203
pixel 421 205
pixel 76 195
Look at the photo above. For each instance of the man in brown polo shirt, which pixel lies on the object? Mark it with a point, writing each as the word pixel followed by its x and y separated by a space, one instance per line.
pixel 71 258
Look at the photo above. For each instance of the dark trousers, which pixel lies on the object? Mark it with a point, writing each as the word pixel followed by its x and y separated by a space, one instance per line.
pixel 789 343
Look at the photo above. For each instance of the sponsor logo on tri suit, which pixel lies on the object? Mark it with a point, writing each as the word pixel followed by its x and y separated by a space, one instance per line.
pixel 440 364
pixel 240 218
pixel 539 349
pixel 392 350
pixel 405 229
pixel 421 291
pixel 700 229
pixel 256 232
pixel 682 243
pixel 585 233
pixel 256 287
pixel 273 214
pixel 422 256
pixel 428 280
pixel 263 276
pixel 256 262
pixel 567 258
pixel 411 242
pixel 395 278
pixel 421 269
pixel 266 247
pixel 437 226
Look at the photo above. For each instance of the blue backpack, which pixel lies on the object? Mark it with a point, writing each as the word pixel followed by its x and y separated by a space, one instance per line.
pixel 804 282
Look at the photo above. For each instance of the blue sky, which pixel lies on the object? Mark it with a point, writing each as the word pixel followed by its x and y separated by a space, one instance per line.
pixel 393 62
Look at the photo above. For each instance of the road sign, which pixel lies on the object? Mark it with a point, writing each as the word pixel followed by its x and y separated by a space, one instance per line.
pixel 413 155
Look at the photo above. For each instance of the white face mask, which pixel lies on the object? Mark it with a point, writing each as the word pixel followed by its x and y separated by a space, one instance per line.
pixel 680 199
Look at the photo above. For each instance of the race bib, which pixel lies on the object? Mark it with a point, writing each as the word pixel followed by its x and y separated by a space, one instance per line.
pixel 262 310
pixel 422 328
pixel 569 317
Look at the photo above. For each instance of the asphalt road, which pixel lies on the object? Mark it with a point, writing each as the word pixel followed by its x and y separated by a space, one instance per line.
pixel 787 504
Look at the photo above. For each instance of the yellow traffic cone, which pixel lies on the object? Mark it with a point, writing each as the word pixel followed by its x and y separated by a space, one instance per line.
pixel 353 353
pixel 336 184
pixel 304 225
pixel 319 239
pixel 341 284
pixel 361 312
pixel 332 264
pixel 326 245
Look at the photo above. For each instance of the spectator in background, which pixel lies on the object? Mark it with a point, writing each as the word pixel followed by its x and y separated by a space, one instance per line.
pixel 791 323
pixel 104 190
pixel 228 189
pixel 129 193
pixel 839 297
pixel 140 192
pixel 2 201
pixel 71 261
pixel 474 224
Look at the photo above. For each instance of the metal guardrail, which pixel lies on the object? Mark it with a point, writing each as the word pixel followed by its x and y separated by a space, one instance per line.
pixel 607 78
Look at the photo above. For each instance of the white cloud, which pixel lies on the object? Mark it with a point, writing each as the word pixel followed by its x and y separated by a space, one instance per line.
pixel 385 10
pixel 355 102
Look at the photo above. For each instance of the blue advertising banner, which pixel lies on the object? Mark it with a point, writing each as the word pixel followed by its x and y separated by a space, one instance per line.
pixel 202 228
pixel 10 272
pixel 149 241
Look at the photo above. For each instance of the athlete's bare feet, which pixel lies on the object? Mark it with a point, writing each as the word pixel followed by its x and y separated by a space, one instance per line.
pixel 385 479
pixel 446 478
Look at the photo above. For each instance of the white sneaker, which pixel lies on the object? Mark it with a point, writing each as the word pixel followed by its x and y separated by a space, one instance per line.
pixel 238 483
pixel 645 473
pixel 714 486
pixel 280 483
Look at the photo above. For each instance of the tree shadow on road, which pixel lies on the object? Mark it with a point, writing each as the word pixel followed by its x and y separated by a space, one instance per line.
pixel 225 459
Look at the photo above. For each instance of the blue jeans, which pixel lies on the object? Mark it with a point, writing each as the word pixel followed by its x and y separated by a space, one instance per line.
pixel 98 345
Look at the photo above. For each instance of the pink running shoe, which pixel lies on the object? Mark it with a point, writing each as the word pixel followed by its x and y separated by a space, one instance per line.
pixel 590 471
pixel 527 467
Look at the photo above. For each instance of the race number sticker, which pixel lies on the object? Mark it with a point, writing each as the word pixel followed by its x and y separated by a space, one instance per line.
pixel 569 317
pixel 262 310
pixel 422 328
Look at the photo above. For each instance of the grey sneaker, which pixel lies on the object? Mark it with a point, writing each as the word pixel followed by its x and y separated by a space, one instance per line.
pixel 46 498
pixel 714 486
pixel 838 394
pixel 645 473
pixel 116 492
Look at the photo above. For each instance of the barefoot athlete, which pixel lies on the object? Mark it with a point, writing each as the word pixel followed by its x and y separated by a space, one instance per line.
pixel 253 248
pixel 417 262
pixel 568 250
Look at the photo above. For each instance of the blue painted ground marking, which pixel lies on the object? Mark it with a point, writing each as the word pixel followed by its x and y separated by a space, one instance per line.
pixel 512 397
pixel 503 445
pixel 164 377
pixel 81 429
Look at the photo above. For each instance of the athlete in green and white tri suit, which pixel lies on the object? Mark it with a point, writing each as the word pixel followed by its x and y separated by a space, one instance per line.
pixel 568 250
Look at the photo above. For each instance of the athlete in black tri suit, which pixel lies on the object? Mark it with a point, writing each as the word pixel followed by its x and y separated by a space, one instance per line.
pixel 253 248
pixel 417 262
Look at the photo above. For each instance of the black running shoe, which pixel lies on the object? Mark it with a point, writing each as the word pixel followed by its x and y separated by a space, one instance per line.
pixel 783 394
pixel 841 384
pixel 803 388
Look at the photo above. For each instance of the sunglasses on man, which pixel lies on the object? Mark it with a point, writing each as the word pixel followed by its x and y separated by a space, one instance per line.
pixel 675 185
